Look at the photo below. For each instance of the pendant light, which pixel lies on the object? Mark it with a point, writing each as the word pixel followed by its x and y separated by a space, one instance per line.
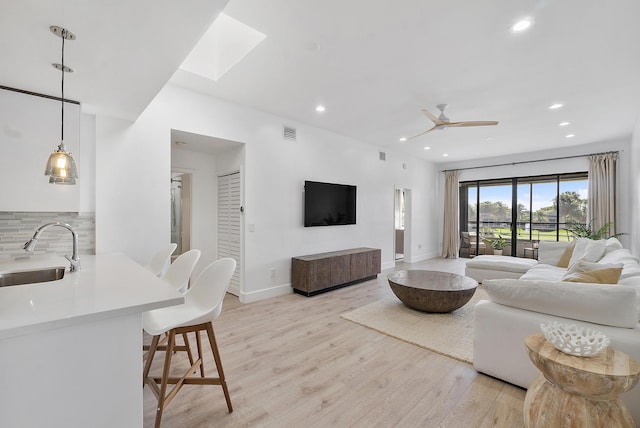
pixel 61 168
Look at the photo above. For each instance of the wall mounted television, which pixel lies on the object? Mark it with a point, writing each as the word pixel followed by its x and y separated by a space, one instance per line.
pixel 328 204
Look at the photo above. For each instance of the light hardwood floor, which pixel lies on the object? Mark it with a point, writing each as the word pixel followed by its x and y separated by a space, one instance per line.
pixel 292 361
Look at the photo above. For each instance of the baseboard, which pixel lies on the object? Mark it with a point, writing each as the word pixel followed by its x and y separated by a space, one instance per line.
pixel 266 293
pixel 423 257
pixel 388 265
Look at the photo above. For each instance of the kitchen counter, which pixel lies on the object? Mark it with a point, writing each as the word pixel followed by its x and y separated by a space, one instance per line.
pixel 106 286
pixel 71 349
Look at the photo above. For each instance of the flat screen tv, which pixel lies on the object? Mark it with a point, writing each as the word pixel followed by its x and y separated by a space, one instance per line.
pixel 327 204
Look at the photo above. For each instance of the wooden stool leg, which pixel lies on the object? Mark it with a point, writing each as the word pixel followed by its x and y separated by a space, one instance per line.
pixel 216 356
pixel 165 377
pixel 188 346
pixel 149 355
pixel 199 344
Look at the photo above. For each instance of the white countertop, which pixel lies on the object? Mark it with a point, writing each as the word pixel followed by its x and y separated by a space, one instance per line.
pixel 107 286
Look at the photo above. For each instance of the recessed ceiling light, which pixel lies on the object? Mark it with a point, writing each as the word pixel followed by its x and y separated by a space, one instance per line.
pixel 489 138
pixel 555 106
pixel 320 108
pixel 403 139
pixel 564 123
pixel 427 148
pixel 522 25
pixel 445 155
pixel 569 136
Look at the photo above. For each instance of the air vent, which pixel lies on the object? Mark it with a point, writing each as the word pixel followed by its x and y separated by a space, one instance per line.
pixel 383 156
pixel 289 133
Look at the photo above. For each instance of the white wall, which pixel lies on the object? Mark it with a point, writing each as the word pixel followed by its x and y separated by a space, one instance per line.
pixel 625 220
pixel 132 207
pixel 634 190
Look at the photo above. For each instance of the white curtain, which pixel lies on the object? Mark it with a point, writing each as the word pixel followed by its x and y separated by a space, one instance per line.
pixel 451 226
pixel 602 191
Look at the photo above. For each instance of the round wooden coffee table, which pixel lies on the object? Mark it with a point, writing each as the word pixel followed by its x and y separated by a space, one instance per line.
pixel 432 291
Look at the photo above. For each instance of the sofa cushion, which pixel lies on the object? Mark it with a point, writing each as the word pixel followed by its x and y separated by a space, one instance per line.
pixel 542 272
pixel 596 303
pixel 634 282
pixel 549 252
pixel 502 263
pixel 597 276
pixel 588 250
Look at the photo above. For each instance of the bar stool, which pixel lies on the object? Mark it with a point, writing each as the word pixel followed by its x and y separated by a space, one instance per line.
pixel 180 270
pixel 203 304
pixel 178 275
pixel 161 260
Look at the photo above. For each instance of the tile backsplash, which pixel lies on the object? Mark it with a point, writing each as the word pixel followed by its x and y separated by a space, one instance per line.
pixel 16 228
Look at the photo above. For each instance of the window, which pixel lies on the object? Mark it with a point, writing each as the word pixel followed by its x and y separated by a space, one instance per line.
pixel 524 210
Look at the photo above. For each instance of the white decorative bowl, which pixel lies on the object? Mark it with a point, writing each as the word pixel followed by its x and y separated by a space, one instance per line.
pixel 574 340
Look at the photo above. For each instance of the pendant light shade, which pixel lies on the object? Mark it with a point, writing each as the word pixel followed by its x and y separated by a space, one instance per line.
pixel 61 168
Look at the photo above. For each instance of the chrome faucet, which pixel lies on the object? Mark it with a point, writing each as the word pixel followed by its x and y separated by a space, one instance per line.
pixel 30 245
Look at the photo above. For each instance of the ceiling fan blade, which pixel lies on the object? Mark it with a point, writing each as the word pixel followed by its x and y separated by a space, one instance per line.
pixel 432 118
pixel 474 123
pixel 422 133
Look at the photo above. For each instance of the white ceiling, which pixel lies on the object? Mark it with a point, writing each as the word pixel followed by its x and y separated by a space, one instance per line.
pixel 373 63
pixel 124 53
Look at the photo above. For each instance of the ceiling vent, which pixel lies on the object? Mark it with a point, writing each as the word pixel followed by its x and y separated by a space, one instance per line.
pixel 383 156
pixel 288 133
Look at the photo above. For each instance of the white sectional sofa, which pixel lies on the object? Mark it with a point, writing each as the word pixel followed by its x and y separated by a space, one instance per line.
pixel 517 306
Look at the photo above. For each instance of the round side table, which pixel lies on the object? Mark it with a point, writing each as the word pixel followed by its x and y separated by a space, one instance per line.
pixel 578 391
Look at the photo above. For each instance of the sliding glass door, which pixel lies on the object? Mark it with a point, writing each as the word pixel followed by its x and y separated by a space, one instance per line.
pixel 523 210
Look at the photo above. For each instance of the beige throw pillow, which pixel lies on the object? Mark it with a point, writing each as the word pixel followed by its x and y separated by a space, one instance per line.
pixel 599 276
pixel 566 256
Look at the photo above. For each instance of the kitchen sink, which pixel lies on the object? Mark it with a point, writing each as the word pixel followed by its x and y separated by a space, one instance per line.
pixel 31 276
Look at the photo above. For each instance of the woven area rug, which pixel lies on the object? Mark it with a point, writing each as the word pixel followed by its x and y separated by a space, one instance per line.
pixel 448 334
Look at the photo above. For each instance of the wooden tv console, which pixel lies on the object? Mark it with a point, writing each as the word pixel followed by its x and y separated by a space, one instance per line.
pixel 317 273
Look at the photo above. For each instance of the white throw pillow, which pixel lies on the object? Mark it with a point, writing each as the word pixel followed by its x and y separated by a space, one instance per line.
pixel 587 250
pixel 611 245
pixel 549 252
pixel 596 303
pixel 631 264
pixel 621 255
pixel 583 266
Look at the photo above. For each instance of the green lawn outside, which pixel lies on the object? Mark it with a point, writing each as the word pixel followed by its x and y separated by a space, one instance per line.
pixel 536 235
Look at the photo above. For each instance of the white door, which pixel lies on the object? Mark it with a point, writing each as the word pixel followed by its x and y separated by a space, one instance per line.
pixel 229 230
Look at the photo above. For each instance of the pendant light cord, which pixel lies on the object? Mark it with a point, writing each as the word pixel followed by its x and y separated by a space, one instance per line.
pixel 64 33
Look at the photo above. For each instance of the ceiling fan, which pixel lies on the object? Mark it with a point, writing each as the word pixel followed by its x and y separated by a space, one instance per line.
pixel 442 122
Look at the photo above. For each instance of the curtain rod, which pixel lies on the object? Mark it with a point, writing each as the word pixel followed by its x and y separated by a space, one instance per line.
pixel 531 161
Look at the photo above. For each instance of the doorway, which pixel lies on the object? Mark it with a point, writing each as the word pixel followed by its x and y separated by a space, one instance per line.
pixel 181 212
pixel 401 224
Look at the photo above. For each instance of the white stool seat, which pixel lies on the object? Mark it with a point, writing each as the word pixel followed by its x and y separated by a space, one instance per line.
pixel 161 260
pixel 180 270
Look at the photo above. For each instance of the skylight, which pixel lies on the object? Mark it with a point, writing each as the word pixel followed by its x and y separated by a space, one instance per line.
pixel 224 44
